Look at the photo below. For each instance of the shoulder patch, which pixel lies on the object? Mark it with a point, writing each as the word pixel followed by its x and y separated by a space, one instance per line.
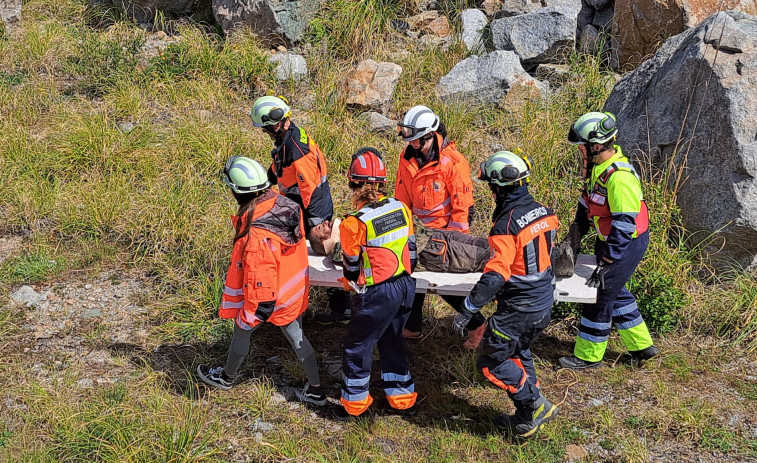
pixel 303 137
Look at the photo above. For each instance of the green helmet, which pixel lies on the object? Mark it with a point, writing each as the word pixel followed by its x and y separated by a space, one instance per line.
pixel 269 110
pixel 244 175
pixel 504 168
pixel 594 127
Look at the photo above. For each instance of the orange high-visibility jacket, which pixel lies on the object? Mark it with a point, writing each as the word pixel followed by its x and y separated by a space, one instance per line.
pixel 302 175
pixel 441 193
pixel 269 266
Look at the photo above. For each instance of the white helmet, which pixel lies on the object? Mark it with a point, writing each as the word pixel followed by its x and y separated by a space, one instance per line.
pixel 417 122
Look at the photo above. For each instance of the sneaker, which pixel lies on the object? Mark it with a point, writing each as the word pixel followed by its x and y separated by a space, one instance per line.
pixel 215 377
pixel 575 363
pixel 311 394
pixel 474 338
pixel 331 318
pixel 407 334
pixel 635 357
pixel 528 420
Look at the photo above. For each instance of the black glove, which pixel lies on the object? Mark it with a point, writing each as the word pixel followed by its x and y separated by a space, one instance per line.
pixel 573 238
pixel 597 279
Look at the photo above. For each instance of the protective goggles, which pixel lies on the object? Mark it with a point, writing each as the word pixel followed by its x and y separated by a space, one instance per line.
pixel 408 131
pixel 274 116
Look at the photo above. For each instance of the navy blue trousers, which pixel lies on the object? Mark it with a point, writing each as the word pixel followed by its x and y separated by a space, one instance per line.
pixel 377 319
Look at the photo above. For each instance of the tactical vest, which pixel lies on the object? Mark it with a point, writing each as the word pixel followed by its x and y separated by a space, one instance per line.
pixel 599 206
pixel 385 252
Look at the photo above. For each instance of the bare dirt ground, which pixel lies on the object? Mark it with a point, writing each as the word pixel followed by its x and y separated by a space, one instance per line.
pixel 695 403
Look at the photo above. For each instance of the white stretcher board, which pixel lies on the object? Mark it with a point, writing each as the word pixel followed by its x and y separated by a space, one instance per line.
pixel 323 272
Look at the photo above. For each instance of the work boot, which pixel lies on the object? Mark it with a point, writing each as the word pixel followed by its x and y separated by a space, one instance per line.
pixel 474 338
pixel 331 318
pixel 635 357
pixel 528 419
pixel 575 363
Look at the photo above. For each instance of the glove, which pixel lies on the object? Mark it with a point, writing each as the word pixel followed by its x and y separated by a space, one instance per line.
pixel 573 238
pixel 462 318
pixel 346 284
pixel 460 322
pixel 597 279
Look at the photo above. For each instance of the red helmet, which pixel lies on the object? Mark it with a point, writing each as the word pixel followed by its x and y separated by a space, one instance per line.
pixel 367 166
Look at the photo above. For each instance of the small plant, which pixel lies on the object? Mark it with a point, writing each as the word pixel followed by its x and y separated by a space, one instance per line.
pixel 32 267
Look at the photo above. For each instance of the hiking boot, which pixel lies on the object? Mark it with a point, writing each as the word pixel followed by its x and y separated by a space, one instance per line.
pixel 528 419
pixel 341 415
pixel 474 338
pixel 412 411
pixel 407 334
pixel 331 318
pixel 575 363
pixel 215 377
pixel 311 394
pixel 635 357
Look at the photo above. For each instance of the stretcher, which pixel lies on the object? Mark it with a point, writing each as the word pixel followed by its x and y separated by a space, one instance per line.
pixel 323 272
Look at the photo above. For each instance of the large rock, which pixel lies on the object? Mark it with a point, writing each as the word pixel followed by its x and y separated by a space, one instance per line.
pixel 10 13
pixel 371 85
pixel 542 36
pixel 518 7
pixel 642 25
pixel 485 79
pixel 473 23
pixel 273 20
pixel 144 11
pixel 289 66
pixel 706 98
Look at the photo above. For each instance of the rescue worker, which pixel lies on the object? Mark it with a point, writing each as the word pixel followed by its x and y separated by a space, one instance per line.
pixel 519 276
pixel 612 203
pixel 267 280
pixel 434 179
pixel 378 248
pixel 299 169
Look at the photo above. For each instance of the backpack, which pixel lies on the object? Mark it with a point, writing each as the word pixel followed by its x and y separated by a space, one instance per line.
pixel 451 251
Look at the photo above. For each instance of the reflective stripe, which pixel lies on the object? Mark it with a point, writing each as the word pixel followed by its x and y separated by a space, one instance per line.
pixel 351 268
pixel 530 258
pixel 596 325
pixel 354 397
pixel 628 325
pixel 395 377
pixel 325 179
pixel 460 225
pixel 367 273
pixel 413 254
pixel 298 278
pixel 390 391
pixel 625 309
pixel 350 258
pixel 442 205
pixel 427 220
pixel 624 226
pixel 592 338
pixel 232 305
pixel 388 237
pixel 356 382
pixel 294 297
pixel 233 292
pixel 470 307
pixel 528 278
pixel 241 323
